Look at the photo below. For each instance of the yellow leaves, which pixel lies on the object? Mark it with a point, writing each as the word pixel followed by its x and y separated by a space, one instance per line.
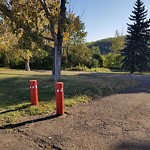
pixel 6 41
pixel 27 54
pixel 53 8
pixel 66 36
pixel 71 16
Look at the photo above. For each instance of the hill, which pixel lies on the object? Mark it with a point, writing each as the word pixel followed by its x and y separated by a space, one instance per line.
pixel 103 44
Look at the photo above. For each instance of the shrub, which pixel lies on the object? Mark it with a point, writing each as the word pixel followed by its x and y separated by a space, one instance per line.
pixel 112 61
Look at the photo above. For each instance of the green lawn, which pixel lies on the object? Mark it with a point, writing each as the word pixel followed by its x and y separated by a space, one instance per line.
pixel 79 87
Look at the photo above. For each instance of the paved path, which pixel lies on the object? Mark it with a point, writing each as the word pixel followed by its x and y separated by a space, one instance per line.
pixel 116 122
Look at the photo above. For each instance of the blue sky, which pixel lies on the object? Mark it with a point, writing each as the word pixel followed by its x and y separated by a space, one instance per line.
pixel 103 17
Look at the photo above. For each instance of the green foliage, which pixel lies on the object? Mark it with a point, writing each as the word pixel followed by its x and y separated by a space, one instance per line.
pixel 95 63
pixel 42 59
pixel 80 55
pixel 117 43
pixel 37 25
pixel 112 61
pixel 137 53
pixel 74 35
pixel 97 60
pixel 75 30
pixel 104 45
pixel 9 53
pixel 78 68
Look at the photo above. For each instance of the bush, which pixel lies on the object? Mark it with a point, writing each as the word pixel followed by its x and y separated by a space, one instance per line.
pixel 78 68
pixel 80 55
pixel 95 63
pixel 112 61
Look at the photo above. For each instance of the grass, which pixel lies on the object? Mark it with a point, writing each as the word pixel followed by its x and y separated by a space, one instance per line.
pixel 79 88
pixel 96 69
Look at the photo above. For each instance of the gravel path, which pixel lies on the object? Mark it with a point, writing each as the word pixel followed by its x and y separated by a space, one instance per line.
pixel 116 122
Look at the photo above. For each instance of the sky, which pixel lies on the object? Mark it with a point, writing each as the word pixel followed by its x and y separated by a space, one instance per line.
pixel 103 17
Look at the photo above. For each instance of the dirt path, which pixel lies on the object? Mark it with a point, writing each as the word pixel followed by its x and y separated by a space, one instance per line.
pixel 116 122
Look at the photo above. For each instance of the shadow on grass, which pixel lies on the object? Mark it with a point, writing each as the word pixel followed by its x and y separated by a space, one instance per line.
pixel 16 109
pixel 133 146
pixel 15 90
pixel 91 84
pixel 119 71
pixel 142 87
pixel 12 126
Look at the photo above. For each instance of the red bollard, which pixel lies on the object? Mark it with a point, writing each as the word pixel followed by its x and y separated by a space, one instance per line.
pixel 33 92
pixel 60 98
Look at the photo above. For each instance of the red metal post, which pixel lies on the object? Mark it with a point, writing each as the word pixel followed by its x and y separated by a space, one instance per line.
pixel 60 98
pixel 33 92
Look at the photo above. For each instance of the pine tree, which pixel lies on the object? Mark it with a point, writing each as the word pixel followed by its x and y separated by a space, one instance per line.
pixel 136 52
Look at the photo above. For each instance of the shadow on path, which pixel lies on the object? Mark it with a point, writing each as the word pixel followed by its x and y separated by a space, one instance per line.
pixel 133 146
pixel 16 109
pixel 12 126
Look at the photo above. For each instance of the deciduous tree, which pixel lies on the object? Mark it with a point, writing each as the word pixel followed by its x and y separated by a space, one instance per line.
pixel 117 42
pixel 38 19
pixel 75 33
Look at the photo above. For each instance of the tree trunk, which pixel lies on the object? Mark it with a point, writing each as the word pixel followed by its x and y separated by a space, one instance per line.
pixel 56 72
pixel 27 65
pixel 67 54
pixel 53 69
pixel 58 42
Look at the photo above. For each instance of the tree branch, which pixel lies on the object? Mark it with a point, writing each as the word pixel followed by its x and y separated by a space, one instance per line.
pixel 20 24
pixel 48 15
pixel 47 38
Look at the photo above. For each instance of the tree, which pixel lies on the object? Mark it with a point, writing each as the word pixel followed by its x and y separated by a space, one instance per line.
pixel 9 53
pixel 97 60
pixel 112 61
pixel 23 23
pixel 136 53
pixel 114 58
pixel 56 15
pixel 80 55
pixel 50 14
pixel 117 42
pixel 74 34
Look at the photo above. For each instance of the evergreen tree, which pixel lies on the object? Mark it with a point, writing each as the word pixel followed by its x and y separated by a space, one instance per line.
pixel 136 53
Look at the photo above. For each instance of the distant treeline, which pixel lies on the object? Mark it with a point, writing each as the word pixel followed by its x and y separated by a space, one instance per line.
pixel 104 45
